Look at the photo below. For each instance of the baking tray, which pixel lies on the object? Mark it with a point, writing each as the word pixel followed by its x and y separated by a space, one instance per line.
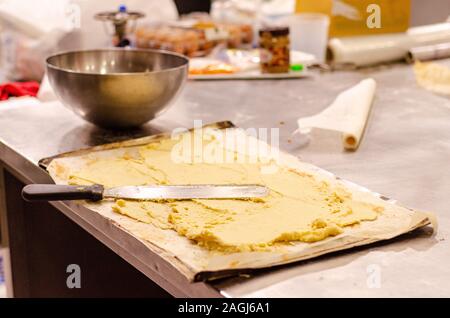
pixel 45 162
pixel 184 257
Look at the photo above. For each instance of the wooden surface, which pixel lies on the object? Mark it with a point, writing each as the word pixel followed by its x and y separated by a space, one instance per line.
pixel 43 243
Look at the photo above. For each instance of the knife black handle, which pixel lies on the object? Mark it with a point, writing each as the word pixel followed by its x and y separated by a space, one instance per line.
pixel 54 192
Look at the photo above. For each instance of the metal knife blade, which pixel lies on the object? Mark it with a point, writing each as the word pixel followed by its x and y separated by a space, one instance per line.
pixel 181 192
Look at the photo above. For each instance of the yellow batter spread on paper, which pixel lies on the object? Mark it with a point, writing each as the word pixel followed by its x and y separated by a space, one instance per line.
pixel 299 208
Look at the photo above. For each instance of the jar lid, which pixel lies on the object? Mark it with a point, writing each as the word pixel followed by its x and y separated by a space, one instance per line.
pixel 275 31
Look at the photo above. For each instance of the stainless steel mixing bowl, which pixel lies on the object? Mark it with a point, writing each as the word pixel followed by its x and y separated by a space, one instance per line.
pixel 117 88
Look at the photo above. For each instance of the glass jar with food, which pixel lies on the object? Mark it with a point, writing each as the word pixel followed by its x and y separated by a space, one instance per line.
pixel 274 49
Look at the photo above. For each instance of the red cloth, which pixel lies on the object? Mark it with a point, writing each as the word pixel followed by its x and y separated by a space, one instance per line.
pixel 18 89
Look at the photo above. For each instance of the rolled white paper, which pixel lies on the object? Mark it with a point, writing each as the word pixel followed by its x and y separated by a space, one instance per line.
pixel 348 114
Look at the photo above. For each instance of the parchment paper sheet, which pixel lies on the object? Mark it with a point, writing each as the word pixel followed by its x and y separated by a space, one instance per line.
pixel 197 263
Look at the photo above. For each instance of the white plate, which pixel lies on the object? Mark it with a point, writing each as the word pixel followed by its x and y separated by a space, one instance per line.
pixel 250 75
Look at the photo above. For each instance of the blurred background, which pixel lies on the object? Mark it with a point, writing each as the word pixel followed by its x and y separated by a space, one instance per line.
pixel 30 30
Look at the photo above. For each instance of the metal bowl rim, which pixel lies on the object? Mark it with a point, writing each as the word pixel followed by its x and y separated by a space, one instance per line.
pixel 51 66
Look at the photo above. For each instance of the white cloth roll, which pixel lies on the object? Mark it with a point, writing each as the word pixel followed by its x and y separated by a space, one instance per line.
pixel 348 114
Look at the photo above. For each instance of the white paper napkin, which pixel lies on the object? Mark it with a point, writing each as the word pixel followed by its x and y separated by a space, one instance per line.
pixel 17 102
pixel 347 115
pixel 46 93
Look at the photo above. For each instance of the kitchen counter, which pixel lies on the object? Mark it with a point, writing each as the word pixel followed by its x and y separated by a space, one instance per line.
pixel 405 154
